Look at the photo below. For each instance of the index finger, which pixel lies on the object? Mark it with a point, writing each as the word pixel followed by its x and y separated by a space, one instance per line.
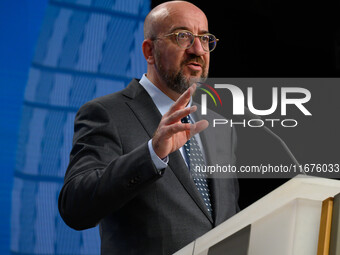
pixel 183 100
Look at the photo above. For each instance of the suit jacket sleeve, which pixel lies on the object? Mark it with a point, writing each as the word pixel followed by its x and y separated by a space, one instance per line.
pixel 100 177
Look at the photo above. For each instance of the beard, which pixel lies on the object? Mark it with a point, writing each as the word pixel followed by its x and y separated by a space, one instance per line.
pixel 175 79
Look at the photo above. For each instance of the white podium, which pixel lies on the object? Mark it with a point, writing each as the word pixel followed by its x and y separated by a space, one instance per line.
pixel 284 222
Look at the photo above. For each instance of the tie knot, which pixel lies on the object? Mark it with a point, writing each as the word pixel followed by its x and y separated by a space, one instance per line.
pixel 186 119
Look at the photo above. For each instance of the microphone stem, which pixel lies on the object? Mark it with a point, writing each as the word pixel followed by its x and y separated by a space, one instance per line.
pixel 286 148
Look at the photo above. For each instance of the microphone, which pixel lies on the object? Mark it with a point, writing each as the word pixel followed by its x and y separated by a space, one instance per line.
pixel 249 115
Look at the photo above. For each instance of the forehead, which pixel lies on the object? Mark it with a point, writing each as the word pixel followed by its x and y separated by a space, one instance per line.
pixel 192 19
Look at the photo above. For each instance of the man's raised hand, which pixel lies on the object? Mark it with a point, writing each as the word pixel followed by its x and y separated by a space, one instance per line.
pixel 171 133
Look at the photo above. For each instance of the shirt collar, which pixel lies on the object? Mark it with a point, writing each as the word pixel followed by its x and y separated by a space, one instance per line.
pixel 161 100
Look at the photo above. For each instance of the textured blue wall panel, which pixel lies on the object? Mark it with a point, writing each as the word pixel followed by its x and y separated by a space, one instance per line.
pixel 20 23
pixel 86 49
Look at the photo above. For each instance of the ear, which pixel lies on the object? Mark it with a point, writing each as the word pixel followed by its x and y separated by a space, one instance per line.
pixel 148 51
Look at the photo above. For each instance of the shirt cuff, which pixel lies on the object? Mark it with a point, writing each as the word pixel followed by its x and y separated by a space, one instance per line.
pixel 157 161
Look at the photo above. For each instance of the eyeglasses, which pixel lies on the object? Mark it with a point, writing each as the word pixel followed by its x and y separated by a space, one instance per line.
pixel 185 39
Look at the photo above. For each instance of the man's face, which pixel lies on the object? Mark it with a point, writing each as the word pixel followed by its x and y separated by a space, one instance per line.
pixel 178 67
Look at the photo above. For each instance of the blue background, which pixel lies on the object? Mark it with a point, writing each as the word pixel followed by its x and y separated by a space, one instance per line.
pixel 19 25
pixel 55 56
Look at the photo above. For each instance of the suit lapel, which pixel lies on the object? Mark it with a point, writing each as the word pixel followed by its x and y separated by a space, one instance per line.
pixel 149 116
pixel 180 169
pixel 143 107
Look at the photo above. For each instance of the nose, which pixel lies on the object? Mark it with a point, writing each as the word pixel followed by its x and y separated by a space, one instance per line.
pixel 197 48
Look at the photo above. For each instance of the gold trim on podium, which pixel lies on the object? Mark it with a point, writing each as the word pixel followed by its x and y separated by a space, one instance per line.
pixel 325 227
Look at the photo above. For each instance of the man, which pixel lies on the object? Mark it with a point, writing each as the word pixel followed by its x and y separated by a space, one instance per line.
pixel 128 170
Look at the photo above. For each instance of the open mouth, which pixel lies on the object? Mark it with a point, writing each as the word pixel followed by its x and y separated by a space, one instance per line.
pixel 194 66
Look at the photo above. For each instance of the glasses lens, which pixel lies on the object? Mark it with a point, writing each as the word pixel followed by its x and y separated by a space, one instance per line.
pixel 185 39
pixel 211 42
pixel 205 41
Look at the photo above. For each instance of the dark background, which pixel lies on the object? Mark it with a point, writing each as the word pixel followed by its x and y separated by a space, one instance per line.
pixel 280 38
